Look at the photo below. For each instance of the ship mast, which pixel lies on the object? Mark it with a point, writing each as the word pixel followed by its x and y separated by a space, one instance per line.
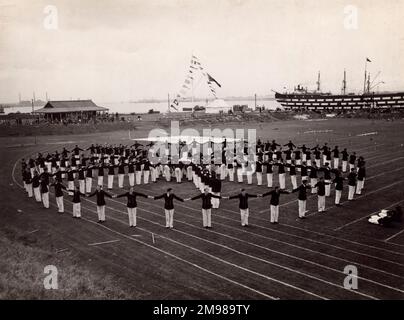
pixel 344 83
pixel 368 83
pixel 318 82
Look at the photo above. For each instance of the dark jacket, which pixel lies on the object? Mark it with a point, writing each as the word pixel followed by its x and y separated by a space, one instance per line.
pixel 58 189
pixel 131 197
pixel 274 196
pixel 169 200
pixel 243 200
pixel 302 189
pixel 206 199
pixel 100 196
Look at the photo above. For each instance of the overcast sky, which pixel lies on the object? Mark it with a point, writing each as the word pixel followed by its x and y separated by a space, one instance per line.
pixel 116 50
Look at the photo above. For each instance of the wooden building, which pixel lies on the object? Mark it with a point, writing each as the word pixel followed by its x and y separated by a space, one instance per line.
pixel 83 110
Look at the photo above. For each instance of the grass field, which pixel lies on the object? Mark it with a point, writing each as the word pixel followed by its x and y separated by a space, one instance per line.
pixel 296 259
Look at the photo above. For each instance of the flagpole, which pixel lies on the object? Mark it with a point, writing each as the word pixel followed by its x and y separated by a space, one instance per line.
pixel 364 82
pixel 168 103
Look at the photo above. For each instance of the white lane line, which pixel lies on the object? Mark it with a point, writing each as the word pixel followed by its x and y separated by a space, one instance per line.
pixel 166 252
pixel 270 250
pixel 104 242
pixel 385 162
pixel 176 257
pixel 352 222
pixel 300 237
pixel 213 256
pixel 33 231
pixel 326 267
pixel 359 197
pixel 394 235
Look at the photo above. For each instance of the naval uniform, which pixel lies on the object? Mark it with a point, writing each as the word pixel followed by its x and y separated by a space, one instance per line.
pixel 77 203
pixel 59 195
pixel 206 208
pixel 351 184
pixel 169 207
pixel 100 194
pixel 132 205
pixel 302 197
pixel 243 206
pixel 274 203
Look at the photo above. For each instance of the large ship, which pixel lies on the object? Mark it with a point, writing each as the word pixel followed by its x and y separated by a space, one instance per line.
pixel 302 99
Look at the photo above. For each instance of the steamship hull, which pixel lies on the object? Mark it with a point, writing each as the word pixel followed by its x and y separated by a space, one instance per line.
pixel 340 102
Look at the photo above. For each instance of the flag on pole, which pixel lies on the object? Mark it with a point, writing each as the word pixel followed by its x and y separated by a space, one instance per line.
pixel 210 79
pixel 368 60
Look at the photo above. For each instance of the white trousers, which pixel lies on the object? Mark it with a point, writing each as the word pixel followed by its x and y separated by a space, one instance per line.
pixel 138 177
pixel 344 165
pixel 302 208
pixel 359 186
pixel 338 194
pixel 189 173
pixel 336 163
pixel 37 194
pixel 101 213
pixel 230 172
pixel 294 181
pixel 351 192
pixel 29 189
pixel 120 180
pixel 146 175
pixel 177 173
pixel 110 181
pixel 282 180
pixel 351 166
pixel 327 188
pixel 317 161
pixel 89 184
pixel 100 180
pixel 70 187
pixel 206 217
pixel 59 202
pixel 240 175
pixel 132 216
pixel 259 178
pixel 82 186
pixel 222 171
pixel 249 177
pixel 274 213
pixel 169 218
pixel 45 199
pixel 77 209
pixel 313 182
pixel 153 174
pixel 167 173
pixel 270 179
pixel 215 201
pixel 321 203
pixel 244 216
pixel 131 179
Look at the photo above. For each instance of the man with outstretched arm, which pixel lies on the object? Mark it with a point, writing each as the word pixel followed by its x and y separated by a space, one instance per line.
pixel 206 197
pixel 243 205
pixel 302 197
pixel 169 206
pixel 274 202
pixel 132 204
pixel 100 194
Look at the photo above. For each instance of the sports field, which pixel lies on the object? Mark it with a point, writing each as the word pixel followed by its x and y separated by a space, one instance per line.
pixel 295 259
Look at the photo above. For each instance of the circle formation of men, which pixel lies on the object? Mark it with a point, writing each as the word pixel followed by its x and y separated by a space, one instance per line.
pixel 319 169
